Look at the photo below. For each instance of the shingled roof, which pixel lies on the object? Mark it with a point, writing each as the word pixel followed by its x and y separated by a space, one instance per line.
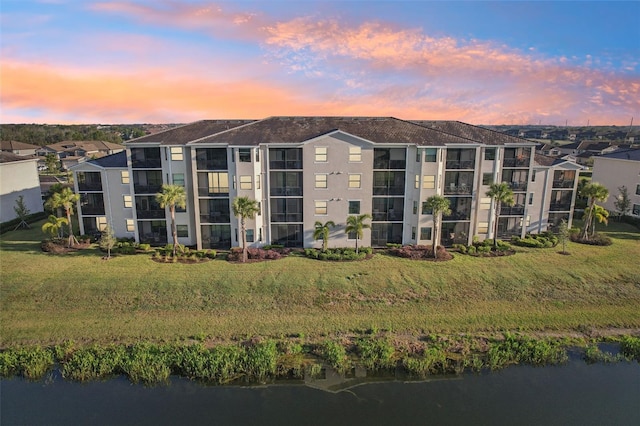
pixel 189 132
pixel 469 131
pixel 118 160
pixel 9 157
pixel 15 145
pixel 384 130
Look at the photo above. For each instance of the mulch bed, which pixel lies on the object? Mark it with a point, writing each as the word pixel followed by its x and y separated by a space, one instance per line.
pixel 419 252
pixel 60 247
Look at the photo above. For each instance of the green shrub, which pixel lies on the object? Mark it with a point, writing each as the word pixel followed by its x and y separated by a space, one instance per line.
pixel 146 363
pixel 335 355
pixel 261 361
pixel 471 250
pixel 376 353
pixel 94 363
pixel 432 361
pixel 31 363
pixel 630 347
pixel 144 247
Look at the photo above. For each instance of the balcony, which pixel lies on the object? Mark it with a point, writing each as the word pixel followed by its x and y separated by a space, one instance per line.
pixel 460 164
pixel 285 164
pixel 563 183
pixel 386 164
pixel 90 186
pixel 457 216
pixel 215 217
pixel 287 191
pixel 518 186
pixel 516 162
pixel 286 217
pixel 388 190
pixel 150 214
pixel 217 191
pixel 505 234
pixel 92 209
pixel 217 164
pixel 146 188
pixel 517 210
pixel 453 189
pixel 560 207
pixel 389 216
pixel 148 163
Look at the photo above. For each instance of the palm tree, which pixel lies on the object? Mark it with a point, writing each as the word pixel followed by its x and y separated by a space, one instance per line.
pixel 244 208
pixel 500 193
pixel 439 206
pixel 53 225
pixel 601 215
pixel 593 192
pixel 322 231
pixel 172 196
pixel 66 200
pixel 356 225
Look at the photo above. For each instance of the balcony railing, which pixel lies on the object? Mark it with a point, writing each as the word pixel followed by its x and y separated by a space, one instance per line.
pixel 92 209
pixel 215 218
pixel 285 164
pixel 515 162
pixel 286 217
pixel 512 211
pixel 463 164
pixel 389 164
pixel 150 214
pixel 153 238
pixel 211 164
pixel 213 191
pixel 89 186
pixel 563 183
pixel 508 233
pixel 457 215
pixel 388 190
pixel 453 189
pixel 146 189
pixel 150 163
pixel 518 186
pixel 562 207
pixel 387 216
pixel 289 191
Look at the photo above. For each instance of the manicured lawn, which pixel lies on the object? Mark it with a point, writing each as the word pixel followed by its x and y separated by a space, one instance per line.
pixel 47 299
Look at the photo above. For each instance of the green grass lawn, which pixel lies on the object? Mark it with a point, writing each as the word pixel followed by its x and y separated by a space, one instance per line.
pixel 46 299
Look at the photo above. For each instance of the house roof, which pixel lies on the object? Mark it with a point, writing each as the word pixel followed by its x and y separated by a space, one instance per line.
pixel 544 160
pixel 384 130
pixel 627 154
pixel 84 145
pixel 183 134
pixel 118 160
pixel 9 157
pixel 595 146
pixel 15 145
pixel 475 133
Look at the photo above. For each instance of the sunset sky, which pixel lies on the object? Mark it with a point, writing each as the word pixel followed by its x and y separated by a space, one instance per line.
pixel 162 61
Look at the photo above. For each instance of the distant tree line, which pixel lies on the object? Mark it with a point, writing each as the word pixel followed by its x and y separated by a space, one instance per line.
pixel 45 134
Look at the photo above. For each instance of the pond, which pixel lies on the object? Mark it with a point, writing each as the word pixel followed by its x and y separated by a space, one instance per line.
pixel 572 394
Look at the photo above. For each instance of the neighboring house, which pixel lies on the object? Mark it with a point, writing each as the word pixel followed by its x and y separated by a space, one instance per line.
pixel 18 148
pixel 18 176
pixel 74 152
pixel 619 168
pixel 548 150
pixel 307 169
pixel 47 181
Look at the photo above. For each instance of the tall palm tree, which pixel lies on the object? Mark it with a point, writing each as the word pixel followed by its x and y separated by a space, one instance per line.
pixel 593 192
pixel 172 196
pixel 244 208
pixel 322 231
pixel 500 193
pixel 601 215
pixel 53 225
pixel 439 206
pixel 356 225
pixel 65 199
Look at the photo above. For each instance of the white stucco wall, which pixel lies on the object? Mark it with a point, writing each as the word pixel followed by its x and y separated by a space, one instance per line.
pixel 19 178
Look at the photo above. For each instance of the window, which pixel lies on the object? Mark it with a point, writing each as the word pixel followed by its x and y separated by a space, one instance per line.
pixel 430 155
pixel 533 176
pixel 635 210
pixel 182 230
pixel 355 154
pixel 354 180
pixel 258 158
pixel 415 207
pixel 354 207
pixel 130 225
pixel 128 201
pixel 352 236
pixel 485 203
pixel 257 181
pixel 321 207
pixel 487 178
pixel 101 222
pixel 321 154
pixel 244 155
pixel 176 153
pixel 124 176
pixel 425 233
pixel 483 227
pixel 417 181
pixel 418 155
pixel 531 198
pixel 637 189
pixel 178 179
pixel 426 209
pixel 413 232
pixel 428 182
pixel 321 181
pixel 245 182
pixel 218 182
pixel 490 154
pixel 250 235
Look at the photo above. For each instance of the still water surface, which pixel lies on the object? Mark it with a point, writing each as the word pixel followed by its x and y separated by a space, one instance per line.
pixel 572 394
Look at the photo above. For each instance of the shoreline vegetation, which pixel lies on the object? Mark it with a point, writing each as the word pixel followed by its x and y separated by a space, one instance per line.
pixel 133 307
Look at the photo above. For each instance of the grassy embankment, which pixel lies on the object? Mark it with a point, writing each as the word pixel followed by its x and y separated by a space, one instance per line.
pixel 46 299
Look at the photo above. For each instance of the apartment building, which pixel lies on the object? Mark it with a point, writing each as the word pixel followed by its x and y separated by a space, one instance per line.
pixel 306 169
pixel 617 169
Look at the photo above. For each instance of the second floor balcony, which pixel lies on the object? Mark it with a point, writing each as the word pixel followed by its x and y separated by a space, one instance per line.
pixel 516 210
pixel 460 164
pixel 460 189
pixel 560 207
pixel 92 209
pixel 457 215
pixel 518 186
pixel 146 188
pixel 562 183
pixel 150 213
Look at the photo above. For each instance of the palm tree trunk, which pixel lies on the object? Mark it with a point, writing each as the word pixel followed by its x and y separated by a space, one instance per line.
pixel 436 237
pixel 587 221
pixel 72 239
pixel 244 240
pixel 174 230
pixel 495 228
pixel 357 244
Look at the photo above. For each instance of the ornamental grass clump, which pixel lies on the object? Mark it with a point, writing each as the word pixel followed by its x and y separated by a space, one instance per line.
pixel 523 350
pixel 94 363
pixel 433 360
pixel 31 363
